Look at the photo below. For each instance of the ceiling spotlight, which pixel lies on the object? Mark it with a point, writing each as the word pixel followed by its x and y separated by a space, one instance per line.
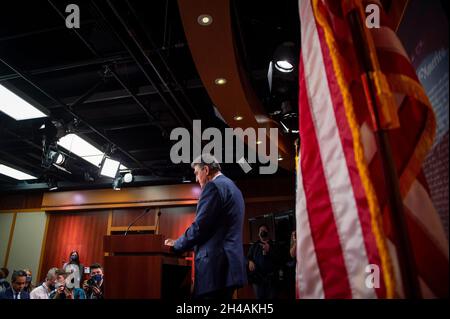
pixel 280 158
pixel 258 142
pixel 60 158
pixel 238 118
pixel 220 81
pixel 128 178
pixel 204 19
pixel 284 57
pixel 53 157
pixel 110 167
pixel 284 66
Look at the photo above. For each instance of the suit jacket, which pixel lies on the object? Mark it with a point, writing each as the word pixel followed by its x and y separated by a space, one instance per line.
pixel 8 294
pixel 216 236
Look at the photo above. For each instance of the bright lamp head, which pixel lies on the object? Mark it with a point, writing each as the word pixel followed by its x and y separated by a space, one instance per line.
pixel 284 57
pixel 110 167
pixel 284 66
pixel 128 178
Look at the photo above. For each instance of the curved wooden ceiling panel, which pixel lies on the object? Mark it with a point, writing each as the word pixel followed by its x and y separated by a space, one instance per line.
pixel 213 51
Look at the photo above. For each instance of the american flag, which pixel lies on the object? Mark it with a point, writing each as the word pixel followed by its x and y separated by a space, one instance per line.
pixel 343 220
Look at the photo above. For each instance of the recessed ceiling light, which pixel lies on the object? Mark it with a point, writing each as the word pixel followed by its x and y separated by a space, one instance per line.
pixel 238 118
pixel 220 81
pixel 14 173
pixel 258 142
pixel 204 19
pixel 280 158
pixel 14 106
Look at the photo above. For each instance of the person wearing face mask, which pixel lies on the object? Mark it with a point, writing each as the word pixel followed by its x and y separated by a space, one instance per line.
pixel 29 285
pixel 62 289
pixel 43 291
pixel 94 286
pixel 74 269
pixel 262 264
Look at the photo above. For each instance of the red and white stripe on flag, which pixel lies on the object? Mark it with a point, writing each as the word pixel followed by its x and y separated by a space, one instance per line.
pixel 340 194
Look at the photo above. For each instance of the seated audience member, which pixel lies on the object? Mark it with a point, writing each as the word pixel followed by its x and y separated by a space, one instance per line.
pixel 94 286
pixel 62 291
pixel 18 281
pixel 28 285
pixel 4 284
pixel 43 291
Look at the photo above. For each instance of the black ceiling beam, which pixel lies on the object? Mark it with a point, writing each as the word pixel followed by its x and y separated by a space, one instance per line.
pixel 40 31
pixel 123 94
pixel 64 67
pixel 87 44
pixel 21 138
pixel 98 55
pixel 152 65
pixel 187 122
pixel 151 118
pixel 24 164
pixel 102 183
pixel 70 108
pixel 161 57
pixel 117 128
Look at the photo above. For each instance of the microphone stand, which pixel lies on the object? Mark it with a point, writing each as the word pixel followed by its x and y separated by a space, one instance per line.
pixel 134 221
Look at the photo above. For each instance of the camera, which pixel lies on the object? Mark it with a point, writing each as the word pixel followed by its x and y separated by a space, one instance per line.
pixel 91 282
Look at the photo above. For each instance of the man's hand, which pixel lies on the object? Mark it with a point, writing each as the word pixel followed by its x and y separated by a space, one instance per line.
pixel 60 290
pixel 96 291
pixel 169 242
pixel 251 265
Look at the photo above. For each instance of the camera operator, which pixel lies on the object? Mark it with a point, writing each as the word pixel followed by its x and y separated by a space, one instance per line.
pixel 62 291
pixel 94 285
pixel 263 259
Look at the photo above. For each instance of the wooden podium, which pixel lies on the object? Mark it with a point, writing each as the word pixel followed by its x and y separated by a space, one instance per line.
pixel 142 267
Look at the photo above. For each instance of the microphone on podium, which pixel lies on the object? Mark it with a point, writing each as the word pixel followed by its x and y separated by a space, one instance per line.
pixel 139 217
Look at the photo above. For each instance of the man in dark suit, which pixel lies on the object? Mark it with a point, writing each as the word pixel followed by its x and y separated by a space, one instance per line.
pixel 18 281
pixel 216 234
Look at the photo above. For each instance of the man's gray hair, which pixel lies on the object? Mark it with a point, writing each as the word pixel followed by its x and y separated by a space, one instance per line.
pixel 207 160
pixel 51 273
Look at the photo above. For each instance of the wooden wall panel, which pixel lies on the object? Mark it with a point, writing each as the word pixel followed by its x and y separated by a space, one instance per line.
pixel 82 231
pixel 21 201
pixel 6 221
pixel 175 220
pixel 161 195
pixel 26 242
pixel 125 216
